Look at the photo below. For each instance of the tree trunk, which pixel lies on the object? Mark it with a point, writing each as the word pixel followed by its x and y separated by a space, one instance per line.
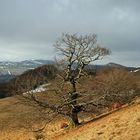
pixel 74 107
pixel 74 116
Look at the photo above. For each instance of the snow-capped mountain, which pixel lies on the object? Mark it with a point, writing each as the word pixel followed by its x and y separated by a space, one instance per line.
pixel 26 63
pixel 9 69
pixel 35 62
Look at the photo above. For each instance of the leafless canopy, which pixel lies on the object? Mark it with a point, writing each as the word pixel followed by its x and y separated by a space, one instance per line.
pixel 78 51
pixel 75 52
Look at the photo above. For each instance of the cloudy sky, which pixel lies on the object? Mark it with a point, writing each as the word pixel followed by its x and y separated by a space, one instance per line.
pixel 29 28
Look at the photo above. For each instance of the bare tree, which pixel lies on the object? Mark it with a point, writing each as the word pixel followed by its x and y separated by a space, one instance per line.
pixel 76 52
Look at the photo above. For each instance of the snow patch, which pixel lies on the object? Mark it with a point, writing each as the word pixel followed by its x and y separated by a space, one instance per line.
pixel 40 88
pixel 9 72
pixel 31 68
pixel 135 70
pixel 37 62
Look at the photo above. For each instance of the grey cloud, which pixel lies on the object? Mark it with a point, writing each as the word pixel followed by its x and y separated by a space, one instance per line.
pixel 33 26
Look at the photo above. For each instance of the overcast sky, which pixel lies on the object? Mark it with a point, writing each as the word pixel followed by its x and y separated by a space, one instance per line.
pixel 29 28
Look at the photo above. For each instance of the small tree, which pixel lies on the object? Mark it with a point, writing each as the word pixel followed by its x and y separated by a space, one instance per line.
pixel 76 52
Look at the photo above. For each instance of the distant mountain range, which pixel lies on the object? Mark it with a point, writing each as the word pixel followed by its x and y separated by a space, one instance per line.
pixel 9 69
pixel 112 65
pixel 30 74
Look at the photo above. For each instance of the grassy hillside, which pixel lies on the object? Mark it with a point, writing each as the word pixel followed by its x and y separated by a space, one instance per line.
pixel 20 120
pixel 28 80
pixel 120 125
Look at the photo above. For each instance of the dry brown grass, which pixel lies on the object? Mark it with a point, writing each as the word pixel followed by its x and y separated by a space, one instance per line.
pixel 18 121
pixel 120 125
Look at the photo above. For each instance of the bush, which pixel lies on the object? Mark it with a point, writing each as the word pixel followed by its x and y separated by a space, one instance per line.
pixel 116 85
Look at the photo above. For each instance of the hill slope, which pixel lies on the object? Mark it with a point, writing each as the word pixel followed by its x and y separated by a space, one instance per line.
pixel 17 120
pixel 28 80
pixel 120 125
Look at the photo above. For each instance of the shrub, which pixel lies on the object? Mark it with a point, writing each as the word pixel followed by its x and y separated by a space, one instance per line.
pixel 116 85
